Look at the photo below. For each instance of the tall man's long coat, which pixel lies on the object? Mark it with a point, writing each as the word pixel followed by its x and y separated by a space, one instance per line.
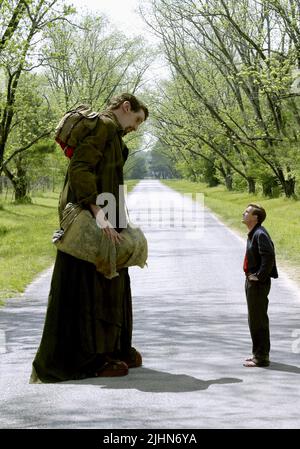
pixel 87 315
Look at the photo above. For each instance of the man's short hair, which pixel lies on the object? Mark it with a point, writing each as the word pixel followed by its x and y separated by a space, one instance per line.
pixel 259 212
pixel 136 105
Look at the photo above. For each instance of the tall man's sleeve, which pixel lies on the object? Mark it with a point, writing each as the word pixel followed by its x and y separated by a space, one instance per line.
pixel 267 254
pixel 82 168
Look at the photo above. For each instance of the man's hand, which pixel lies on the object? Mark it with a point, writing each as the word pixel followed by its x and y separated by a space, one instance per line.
pixel 253 277
pixel 105 225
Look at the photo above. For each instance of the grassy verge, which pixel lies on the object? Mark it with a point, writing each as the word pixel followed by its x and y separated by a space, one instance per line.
pixel 25 240
pixel 282 218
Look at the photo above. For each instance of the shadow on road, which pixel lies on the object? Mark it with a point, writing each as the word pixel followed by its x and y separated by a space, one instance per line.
pixel 152 381
pixel 283 367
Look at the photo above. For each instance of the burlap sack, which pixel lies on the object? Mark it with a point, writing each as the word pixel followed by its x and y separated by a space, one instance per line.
pixel 82 238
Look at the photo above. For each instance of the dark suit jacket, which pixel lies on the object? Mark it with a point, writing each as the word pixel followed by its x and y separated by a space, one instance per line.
pixel 260 254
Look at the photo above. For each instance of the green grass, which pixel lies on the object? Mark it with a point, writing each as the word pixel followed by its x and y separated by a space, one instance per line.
pixel 283 217
pixel 25 240
pixel 131 184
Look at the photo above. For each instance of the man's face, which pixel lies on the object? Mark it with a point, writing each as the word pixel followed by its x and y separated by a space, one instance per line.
pixel 131 120
pixel 248 218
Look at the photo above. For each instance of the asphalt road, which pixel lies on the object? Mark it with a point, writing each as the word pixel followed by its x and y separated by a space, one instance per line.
pixel 190 324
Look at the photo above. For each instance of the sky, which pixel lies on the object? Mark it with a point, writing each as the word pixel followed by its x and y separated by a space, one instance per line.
pixel 120 12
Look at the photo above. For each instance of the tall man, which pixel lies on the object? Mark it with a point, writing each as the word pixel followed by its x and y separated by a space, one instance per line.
pixel 259 267
pixel 88 325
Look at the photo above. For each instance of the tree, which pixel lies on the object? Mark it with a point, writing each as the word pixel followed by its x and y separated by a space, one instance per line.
pixel 20 42
pixel 31 124
pixel 85 61
pixel 183 125
pixel 236 60
pixel 11 14
pixel 161 164
pixel 90 62
pixel 136 167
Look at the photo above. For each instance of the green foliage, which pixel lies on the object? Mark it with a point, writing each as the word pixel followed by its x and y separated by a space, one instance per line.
pixel 25 112
pixel 229 101
pixel 84 61
pixel 161 165
pixel 136 166
pixel 209 174
pixel 91 62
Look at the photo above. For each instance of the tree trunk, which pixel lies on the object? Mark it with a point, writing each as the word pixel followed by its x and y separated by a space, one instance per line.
pixel 19 182
pixel 289 187
pixel 268 185
pixel 267 189
pixel 227 175
pixel 228 181
pixel 2 148
pixel 20 188
pixel 251 185
pixel 13 24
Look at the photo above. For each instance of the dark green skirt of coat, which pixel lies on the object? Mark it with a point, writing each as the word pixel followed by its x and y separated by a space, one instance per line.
pixel 87 316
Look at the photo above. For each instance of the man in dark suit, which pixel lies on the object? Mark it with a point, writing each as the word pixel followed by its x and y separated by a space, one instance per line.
pixel 259 267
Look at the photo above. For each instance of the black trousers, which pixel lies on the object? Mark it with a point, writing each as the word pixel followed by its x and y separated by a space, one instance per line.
pixel 258 320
